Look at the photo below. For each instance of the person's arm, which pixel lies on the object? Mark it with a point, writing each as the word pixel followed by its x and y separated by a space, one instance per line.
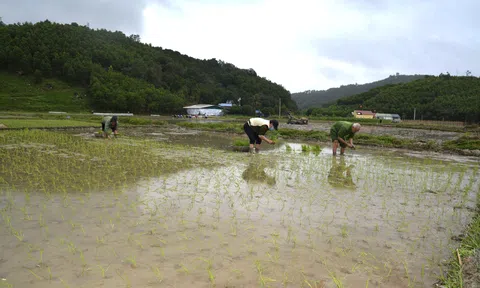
pixel 340 139
pixel 266 139
pixel 344 133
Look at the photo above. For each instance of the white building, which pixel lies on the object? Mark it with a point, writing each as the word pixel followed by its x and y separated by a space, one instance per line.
pixel 392 117
pixel 204 109
pixel 383 116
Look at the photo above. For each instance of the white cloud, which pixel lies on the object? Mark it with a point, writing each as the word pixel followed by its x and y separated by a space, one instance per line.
pixel 272 37
pixel 313 44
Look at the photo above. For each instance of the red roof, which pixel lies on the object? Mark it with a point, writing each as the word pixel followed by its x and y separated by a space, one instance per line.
pixel 363 112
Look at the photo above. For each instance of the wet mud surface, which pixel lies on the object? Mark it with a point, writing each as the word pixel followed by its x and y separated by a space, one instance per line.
pixel 280 218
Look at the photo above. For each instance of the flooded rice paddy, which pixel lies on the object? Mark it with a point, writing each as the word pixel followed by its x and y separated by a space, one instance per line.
pixel 405 133
pixel 280 218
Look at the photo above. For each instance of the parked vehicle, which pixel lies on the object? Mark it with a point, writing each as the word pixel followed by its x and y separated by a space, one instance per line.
pixel 298 121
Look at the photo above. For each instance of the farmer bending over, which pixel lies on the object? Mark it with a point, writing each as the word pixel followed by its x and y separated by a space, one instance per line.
pixel 256 128
pixel 341 132
pixel 109 122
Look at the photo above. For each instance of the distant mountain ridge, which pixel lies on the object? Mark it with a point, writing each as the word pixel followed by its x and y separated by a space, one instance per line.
pixel 318 98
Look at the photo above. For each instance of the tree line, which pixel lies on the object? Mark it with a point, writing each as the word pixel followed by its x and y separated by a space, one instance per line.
pixel 123 74
pixel 443 97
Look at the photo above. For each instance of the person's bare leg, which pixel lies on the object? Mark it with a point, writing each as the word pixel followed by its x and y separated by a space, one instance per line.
pixel 342 150
pixel 257 148
pixel 334 148
pixel 251 148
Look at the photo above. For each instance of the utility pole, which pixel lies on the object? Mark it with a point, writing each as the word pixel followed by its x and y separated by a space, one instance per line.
pixel 279 107
pixel 414 112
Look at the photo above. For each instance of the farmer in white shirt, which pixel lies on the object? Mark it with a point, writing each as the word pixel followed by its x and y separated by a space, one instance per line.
pixel 256 128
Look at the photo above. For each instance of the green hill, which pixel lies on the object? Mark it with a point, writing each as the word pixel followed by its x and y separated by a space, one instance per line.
pixel 315 98
pixel 119 73
pixel 443 97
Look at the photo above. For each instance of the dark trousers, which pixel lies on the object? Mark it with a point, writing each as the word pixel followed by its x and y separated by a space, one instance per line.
pixel 251 134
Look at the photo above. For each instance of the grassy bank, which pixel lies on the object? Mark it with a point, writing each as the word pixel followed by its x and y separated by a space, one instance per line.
pixel 44 123
pixel 467 142
pixel 463 267
pixel 84 121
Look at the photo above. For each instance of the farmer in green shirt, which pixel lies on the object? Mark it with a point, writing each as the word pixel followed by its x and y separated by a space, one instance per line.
pixel 109 122
pixel 256 128
pixel 341 132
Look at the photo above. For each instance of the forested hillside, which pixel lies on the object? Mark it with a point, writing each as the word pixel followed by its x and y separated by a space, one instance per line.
pixel 314 98
pixel 120 73
pixel 442 97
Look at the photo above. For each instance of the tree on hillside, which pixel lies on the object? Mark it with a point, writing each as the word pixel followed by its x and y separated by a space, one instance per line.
pixel 445 97
pixel 159 80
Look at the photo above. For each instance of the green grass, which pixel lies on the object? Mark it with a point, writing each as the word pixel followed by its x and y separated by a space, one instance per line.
pixel 469 142
pixel 141 121
pixel 455 276
pixel 43 123
pixel 241 142
pixel 50 121
pixel 20 93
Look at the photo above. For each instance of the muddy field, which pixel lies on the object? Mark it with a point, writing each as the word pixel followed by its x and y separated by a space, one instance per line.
pixel 286 217
pixel 407 133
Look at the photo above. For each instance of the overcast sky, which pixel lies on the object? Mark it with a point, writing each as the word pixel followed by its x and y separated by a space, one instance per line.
pixel 302 44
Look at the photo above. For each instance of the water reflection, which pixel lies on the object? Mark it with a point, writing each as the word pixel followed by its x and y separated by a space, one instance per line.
pixel 340 175
pixel 255 173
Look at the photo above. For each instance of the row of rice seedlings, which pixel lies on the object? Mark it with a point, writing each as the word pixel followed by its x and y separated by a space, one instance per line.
pixel 227 200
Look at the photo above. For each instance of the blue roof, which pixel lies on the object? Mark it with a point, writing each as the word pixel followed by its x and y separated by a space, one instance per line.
pixel 225 104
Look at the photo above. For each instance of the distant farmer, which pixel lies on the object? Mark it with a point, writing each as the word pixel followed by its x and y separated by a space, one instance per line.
pixel 109 122
pixel 341 132
pixel 256 128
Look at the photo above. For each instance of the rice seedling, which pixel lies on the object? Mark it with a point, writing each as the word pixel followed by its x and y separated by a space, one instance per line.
pixel 103 270
pixel 158 273
pixel 125 278
pixel 160 199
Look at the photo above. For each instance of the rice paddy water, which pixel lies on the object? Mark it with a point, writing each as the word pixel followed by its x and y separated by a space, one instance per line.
pixel 141 212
